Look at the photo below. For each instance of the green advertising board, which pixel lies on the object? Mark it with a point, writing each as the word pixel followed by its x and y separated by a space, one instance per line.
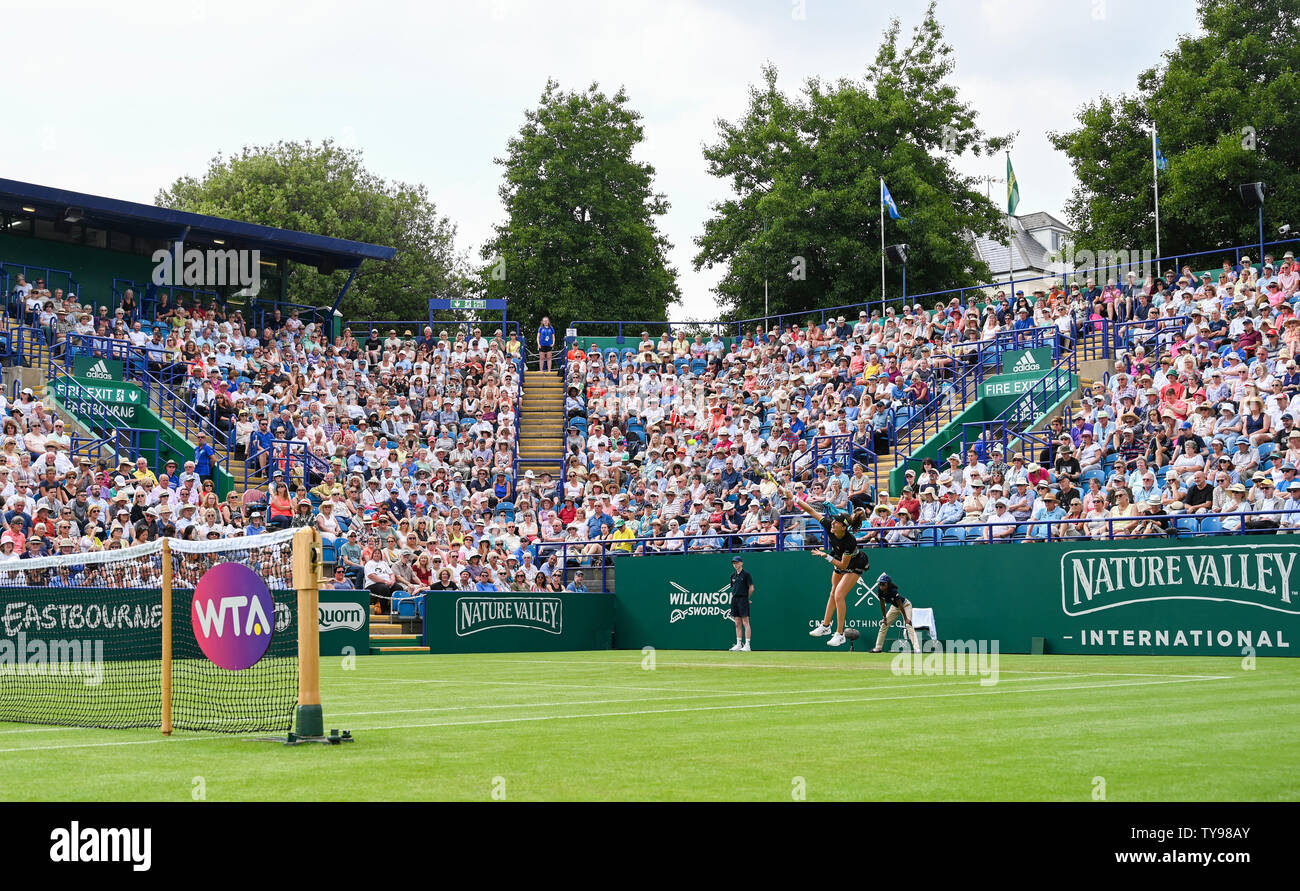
pixel 1161 597
pixel 119 402
pixel 344 618
pixel 465 622
pixel 1007 384
pixel 96 369
pixel 1038 360
pixel 92 656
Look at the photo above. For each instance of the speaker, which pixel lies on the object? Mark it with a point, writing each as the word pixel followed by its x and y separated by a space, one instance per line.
pixel 897 253
pixel 325 267
pixel 1252 194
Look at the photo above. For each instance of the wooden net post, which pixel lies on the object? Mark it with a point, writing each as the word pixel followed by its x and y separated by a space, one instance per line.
pixel 166 637
pixel 310 720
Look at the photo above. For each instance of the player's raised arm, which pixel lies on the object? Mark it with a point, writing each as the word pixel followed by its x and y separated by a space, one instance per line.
pixel 803 506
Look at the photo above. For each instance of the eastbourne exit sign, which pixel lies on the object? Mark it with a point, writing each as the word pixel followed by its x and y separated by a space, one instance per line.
pixel 465 303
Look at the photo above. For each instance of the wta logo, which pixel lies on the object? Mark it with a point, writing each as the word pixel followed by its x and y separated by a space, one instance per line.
pixel 231 616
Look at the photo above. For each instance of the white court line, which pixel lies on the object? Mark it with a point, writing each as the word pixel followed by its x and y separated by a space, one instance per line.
pixel 714 708
pixel 367 682
pixel 525 705
pixel 50 728
pixel 879 666
pixel 692 695
pixel 708 708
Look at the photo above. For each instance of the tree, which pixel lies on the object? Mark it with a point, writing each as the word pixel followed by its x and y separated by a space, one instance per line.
pixel 326 190
pixel 805 172
pixel 580 239
pixel 1226 105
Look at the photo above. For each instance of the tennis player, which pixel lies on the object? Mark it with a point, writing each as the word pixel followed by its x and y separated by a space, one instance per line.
pixel 847 559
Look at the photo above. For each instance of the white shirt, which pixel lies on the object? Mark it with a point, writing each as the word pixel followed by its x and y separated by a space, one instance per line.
pixel 379 568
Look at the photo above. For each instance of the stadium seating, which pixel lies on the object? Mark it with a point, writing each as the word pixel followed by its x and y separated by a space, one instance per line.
pixel 675 429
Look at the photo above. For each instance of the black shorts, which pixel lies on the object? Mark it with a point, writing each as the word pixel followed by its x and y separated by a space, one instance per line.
pixel 858 564
pixel 739 607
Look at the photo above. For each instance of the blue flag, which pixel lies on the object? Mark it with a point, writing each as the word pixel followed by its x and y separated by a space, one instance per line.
pixel 1161 163
pixel 888 200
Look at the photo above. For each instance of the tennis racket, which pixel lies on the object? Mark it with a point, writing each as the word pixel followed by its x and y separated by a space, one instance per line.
pixel 762 471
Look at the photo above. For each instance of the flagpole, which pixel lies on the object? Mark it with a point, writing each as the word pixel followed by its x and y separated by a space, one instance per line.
pixel 882 246
pixel 1011 261
pixel 1155 182
pixel 1011 248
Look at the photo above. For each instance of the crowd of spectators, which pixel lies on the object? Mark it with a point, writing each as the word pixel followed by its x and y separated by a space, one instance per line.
pixel 403 445
pixel 679 431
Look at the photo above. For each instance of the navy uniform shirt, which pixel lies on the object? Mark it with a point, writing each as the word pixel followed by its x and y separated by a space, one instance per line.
pixel 741 582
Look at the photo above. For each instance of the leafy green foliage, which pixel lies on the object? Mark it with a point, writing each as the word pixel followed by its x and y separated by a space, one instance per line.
pixel 805 171
pixel 1226 105
pixel 326 190
pixel 580 239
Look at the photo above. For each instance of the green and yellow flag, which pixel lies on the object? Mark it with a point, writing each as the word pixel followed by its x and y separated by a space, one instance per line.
pixel 1013 189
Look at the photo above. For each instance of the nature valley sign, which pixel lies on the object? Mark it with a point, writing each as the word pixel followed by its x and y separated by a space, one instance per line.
pixel 1212 596
pixel 517 623
pixel 475 614
pixel 1251 575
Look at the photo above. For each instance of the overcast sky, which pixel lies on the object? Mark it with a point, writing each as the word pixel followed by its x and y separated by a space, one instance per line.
pixel 120 99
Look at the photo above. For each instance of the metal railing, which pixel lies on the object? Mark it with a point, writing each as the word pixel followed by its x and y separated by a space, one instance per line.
pixel 1011 428
pixel 621 328
pixel 796 532
pixel 258 311
pixel 146 297
pixel 31 346
pixel 118 442
pixel 54 278
pixel 292 459
pixel 947 403
pixel 1010 285
pixel 159 387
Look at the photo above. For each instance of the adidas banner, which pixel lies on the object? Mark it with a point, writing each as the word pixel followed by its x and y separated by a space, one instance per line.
pixel 97 369
pixel 1036 361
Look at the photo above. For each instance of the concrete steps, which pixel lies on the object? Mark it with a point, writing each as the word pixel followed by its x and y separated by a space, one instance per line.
pixel 541 425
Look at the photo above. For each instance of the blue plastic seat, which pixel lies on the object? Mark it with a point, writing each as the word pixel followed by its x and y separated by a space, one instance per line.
pixel 408 606
pixel 1186 526
pixel 1266 449
pixel 954 536
pixel 1096 474
pixel 1211 525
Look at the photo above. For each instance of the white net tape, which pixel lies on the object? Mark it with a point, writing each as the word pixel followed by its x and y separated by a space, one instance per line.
pixel 146 559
